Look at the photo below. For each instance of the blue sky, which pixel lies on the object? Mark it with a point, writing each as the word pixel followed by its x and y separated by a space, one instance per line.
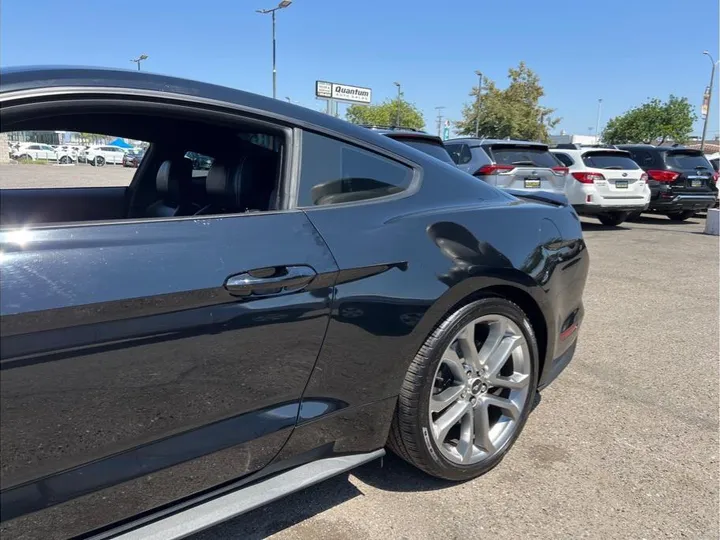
pixel 621 51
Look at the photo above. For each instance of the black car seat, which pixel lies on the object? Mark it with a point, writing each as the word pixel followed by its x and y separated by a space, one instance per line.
pixel 243 185
pixel 173 184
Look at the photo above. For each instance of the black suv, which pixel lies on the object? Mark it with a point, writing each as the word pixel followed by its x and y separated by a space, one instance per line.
pixel 420 140
pixel 682 181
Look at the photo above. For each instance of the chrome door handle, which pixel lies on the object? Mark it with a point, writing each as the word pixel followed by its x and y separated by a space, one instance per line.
pixel 270 280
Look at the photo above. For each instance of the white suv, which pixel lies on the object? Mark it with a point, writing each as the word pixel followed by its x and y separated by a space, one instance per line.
pixel 100 155
pixel 604 182
pixel 40 152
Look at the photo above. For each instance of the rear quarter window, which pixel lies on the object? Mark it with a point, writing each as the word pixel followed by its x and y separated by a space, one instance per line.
pixel 687 160
pixel 609 160
pixel 518 155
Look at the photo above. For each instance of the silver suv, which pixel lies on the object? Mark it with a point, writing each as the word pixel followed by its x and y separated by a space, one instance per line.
pixel 509 164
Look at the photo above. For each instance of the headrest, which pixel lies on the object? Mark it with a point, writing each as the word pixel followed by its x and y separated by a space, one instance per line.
pixel 174 178
pixel 242 185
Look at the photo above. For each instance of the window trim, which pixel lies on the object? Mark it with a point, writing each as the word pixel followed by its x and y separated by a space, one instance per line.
pixel 196 109
pixel 413 186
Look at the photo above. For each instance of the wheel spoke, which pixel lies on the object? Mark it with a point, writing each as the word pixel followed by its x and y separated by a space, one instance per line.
pixel 517 381
pixel 482 428
pixel 454 363
pixel 508 407
pixel 441 401
pixel 500 355
pixel 467 437
pixel 449 418
pixel 466 340
pixel 492 342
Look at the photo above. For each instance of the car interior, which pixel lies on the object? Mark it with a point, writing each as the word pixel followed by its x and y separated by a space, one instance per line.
pixel 244 171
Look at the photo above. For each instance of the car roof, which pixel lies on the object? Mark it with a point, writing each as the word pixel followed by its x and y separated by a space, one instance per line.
pixel 481 141
pixel 404 133
pixel 28 78
pixel 651 147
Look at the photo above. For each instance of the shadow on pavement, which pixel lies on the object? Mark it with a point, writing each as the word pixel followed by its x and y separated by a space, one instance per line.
pixel 597 226
pixel 663 220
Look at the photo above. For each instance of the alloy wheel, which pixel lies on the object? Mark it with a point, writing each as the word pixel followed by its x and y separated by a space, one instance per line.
pixel 480 389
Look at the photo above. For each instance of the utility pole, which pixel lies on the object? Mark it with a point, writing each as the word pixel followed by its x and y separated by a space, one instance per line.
pixel 709 101
pixel 597 122
pixel 281 5
pixel 140 59
pixel 439 119
pixel 397 112
pixel 477 104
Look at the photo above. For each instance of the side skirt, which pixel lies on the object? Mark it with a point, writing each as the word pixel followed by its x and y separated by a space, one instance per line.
pixel 243 500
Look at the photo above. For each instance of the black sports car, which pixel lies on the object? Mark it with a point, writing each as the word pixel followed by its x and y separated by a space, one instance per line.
pixel 196 344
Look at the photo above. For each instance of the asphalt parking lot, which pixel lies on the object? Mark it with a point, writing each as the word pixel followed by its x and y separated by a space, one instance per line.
pixel 623 445
pixel 47 175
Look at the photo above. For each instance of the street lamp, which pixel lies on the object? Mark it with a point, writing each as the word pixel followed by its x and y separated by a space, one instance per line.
pixel 707 112
pixel 140 59
pixel 597 123
pixel 477 116
pixel 281 5
pixel 397 112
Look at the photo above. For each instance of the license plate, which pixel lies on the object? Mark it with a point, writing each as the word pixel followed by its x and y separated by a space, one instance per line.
pixel 696 183
pixel 532 183
pixel 621 184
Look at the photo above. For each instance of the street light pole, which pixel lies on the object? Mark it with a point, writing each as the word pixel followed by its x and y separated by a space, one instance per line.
pixel 707 113
pixel 477 104
pixel 597 122
pixel 281 5
pixel 439 118
pixel 397 112
pixel 140 59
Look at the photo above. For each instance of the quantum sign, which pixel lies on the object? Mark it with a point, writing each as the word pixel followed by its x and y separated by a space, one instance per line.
pixel 343 92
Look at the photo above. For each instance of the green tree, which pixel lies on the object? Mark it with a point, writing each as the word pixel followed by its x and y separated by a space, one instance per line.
pixel 653 121
pixel 514 112
pixel 385 114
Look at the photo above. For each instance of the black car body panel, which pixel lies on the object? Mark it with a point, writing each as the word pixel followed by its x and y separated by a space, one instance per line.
pixel 691 184
pixel 133 379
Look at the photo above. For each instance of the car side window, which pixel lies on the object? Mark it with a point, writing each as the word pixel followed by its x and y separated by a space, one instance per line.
pixel 335 172
pixel 454 151
pixel 642 157
pixel 566 159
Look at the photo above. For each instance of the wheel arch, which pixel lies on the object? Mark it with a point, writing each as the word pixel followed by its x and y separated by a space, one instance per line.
pixel 518 291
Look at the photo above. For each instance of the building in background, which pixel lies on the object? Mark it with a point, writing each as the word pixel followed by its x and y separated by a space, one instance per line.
pixel 564 138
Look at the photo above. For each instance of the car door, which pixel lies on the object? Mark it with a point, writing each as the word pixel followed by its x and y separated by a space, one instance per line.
pixel 147 360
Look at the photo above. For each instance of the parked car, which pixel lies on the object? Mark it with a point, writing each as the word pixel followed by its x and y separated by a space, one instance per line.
pixel 102 154
pixel 42 152
pixel 188 347
pixel 420 140
pixel 604 182
pixel 681 180
pixel 509 164
pixel 133 158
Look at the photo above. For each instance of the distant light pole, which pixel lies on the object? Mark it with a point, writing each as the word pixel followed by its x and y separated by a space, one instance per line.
pixel 477 104
pixel 281 5
pixel 140 59
pixel 707 113
pixel 397 112
pixel 597 122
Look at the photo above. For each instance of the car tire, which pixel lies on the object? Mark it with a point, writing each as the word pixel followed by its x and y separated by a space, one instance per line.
pixel 99 161
pixel 414 432
pixel 64 160
pixel 634 216
pixel 613 219
pixel 681 216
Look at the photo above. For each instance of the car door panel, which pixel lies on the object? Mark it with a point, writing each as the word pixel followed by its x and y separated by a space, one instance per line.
pixel 126 362
pixel 53 205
